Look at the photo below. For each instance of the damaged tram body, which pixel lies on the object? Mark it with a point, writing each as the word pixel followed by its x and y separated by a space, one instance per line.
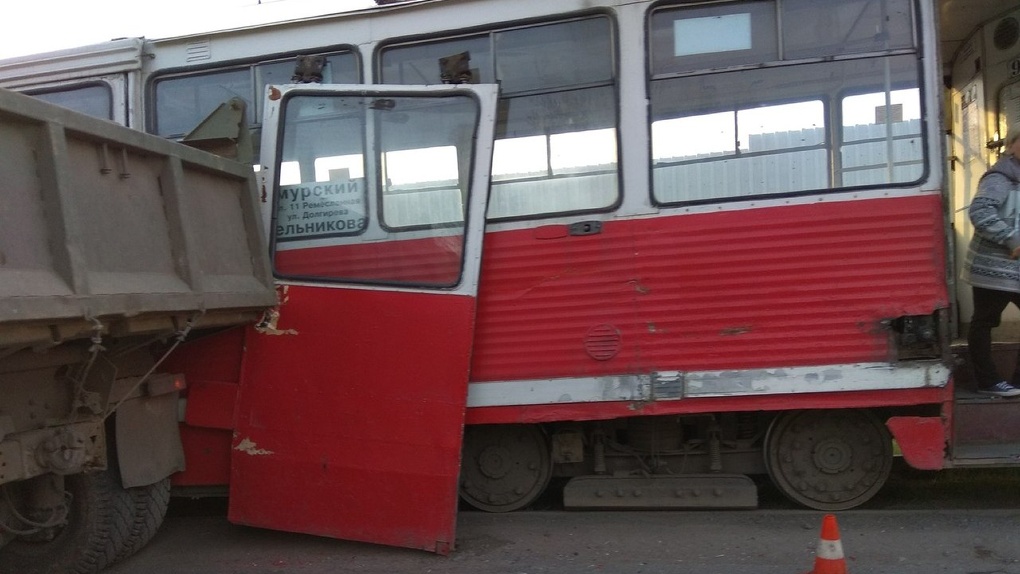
pixel 647 249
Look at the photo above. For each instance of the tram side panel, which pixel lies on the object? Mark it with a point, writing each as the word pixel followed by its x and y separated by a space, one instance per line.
pixel 792 286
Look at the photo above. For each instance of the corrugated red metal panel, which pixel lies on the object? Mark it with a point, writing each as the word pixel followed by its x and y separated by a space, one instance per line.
pixel 777 286
pixel 540 294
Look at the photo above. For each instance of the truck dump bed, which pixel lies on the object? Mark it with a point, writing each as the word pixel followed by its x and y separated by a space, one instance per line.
pixel 104 227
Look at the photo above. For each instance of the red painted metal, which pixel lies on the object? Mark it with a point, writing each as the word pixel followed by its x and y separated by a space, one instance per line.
pixel 209 357
pixel 347 397
pixel 351 427
pixel 212 365
pixel 811 289
pixel 211 404
pixel 804 285
pixel 433 260
pixel 922 440
pixel 207 457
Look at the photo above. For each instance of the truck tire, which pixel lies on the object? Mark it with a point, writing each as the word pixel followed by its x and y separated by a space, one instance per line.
pixel 149 509
pixel 99 522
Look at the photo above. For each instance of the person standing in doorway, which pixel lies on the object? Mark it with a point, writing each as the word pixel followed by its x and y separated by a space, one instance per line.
pixel 992 264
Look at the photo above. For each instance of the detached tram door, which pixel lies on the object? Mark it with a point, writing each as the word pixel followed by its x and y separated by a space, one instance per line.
pixel 351 408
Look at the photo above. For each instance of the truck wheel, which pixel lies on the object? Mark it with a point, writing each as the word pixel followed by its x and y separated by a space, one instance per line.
pixel 150 504
pixel 99 520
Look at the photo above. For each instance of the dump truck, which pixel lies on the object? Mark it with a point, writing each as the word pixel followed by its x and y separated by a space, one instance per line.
pixel 115 246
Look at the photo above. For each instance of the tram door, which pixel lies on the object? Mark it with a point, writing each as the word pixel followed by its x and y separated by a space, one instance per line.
pixel 351 407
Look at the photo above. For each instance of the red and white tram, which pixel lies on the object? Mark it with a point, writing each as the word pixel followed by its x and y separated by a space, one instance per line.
pixel 716 240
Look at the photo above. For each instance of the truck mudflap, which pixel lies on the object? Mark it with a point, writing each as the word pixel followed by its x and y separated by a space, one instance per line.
pixel 651 492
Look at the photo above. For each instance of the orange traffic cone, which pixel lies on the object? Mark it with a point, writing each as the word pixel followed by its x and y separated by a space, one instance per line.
pixel 829 555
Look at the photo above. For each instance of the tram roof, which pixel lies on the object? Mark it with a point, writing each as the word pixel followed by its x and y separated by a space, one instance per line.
pixel 958 20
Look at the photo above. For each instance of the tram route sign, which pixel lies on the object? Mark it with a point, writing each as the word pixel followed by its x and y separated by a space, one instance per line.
pixel 320 209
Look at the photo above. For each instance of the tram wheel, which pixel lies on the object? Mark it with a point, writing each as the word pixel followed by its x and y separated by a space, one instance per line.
pixel 828 460
pixel 504 467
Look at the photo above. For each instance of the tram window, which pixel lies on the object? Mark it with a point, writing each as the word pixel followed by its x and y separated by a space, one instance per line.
pixel 582 149
pixel 713 36
pixel 709 35
pixel 182 101
pixel 690 153
pixel 692 136
pixel 541 156
pixel 748 33
pixel 419 63
pixel 836 27
pixel 740 131
pixel 95 100
pixel 552 56
pixel 881 138
pixel 725 134
pixel 557 89
pixel 421 187
pixel 338 69
pixel 520 157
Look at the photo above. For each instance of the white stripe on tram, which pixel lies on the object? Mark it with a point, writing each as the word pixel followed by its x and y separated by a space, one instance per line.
pixel 674 385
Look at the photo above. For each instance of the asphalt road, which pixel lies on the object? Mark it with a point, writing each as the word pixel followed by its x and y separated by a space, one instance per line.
pixel 962 522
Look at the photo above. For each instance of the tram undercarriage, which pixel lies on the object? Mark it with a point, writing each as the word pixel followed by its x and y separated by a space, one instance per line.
pixel 825 459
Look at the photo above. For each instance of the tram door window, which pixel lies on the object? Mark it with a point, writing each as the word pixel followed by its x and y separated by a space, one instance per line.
pixel 556 143
pixel 743 108
pixel 342 209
